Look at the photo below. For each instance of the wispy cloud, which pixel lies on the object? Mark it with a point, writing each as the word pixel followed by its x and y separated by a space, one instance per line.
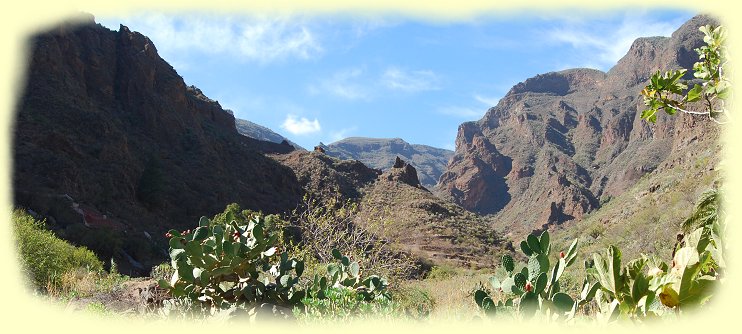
pixel 344 84
pixel 360 84
pixel 489 101
pixel 341 134
pixel 461 112
pixel 261 39
pixel 600 44
pixel 410 81
pixel 300 126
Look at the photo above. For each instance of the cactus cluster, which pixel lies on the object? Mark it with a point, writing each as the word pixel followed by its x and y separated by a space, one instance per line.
pixel 536 286
pixel 344 273
pixel 643 288
pixel 647 287
pixel 225 265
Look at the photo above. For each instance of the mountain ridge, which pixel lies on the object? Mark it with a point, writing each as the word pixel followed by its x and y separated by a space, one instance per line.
pixel 558 144
pixel 381 153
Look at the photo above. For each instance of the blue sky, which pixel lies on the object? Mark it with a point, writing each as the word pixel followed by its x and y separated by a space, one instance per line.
pixel 324 78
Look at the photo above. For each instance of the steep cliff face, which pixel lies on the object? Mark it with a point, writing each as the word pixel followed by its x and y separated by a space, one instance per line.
pixel 559 143
pixel 105 122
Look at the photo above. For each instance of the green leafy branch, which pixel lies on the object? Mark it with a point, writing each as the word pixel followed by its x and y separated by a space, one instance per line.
pixel 667 92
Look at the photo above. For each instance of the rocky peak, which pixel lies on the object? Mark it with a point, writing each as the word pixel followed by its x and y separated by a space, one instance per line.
pixel 403 172
pixel 560 142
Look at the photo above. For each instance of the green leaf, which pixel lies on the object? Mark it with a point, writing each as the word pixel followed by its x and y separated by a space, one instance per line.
pixel 640 288
pixel 484 302
pixel 537 264
pixel 520 281
pixel 354 269
pixel 669 297
pixel 544 242
pixel 164 284
pixel 525 249
pixel 695 93
pixel 572 251
pixel 257 232
pixel 176 242
pixel 507 263
pixel 299 268
pixel 533 243
pixel 201 232
pixel 563 302
pixel 203 221
pixel 650 115
pixel 336 254
pixel 540 283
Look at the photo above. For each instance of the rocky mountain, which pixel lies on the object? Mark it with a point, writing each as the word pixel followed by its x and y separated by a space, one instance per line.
pixel 560 144
pixel 259 132
pixel 114 148
pixel 380 153
pixel 400 209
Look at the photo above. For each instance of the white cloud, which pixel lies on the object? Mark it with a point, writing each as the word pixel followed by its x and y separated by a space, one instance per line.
pixel 300 126
pixel 344 84
pixel 489 101
pixel 341 134
pixel 410 81
pixel 260 39
pixel 461 112
pixel 602 45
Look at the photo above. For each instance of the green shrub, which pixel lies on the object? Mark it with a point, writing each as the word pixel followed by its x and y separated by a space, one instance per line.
pixel 413 302
pixel 441 272
pixel 44 257
pixel 218 266
pixel 341 303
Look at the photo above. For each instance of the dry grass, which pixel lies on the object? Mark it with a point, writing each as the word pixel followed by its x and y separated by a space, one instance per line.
pixel 452 295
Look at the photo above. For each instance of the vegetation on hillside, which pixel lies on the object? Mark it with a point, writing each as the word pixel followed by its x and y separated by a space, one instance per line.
pixel 319 264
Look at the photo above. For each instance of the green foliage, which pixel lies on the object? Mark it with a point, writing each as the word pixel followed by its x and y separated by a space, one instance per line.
pixel 344 293
pixel 344 273
pixel 46 258
pixel 646 287
pixel 233 262
pixel 223 265
pixel 414 302
pixel 667 92
pixel 441 272
pixel 707 211
pixel 340 303
pixel 536 287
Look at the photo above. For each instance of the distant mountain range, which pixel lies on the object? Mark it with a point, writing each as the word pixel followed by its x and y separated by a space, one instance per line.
pixel 380 153
pixel 259 132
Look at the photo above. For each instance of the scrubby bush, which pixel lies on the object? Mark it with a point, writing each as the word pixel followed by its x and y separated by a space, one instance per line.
pixel 46 258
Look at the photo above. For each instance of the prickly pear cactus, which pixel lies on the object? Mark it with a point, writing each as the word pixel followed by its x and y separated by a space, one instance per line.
pixel 346 274
pixel 536 286
pixel 220 266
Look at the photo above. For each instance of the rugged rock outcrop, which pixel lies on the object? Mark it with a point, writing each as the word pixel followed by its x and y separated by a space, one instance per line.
pixel 402 172
pixel 559 143
pixel 398 208
pixel 380 153
pixel 106 121
pixel 325 176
